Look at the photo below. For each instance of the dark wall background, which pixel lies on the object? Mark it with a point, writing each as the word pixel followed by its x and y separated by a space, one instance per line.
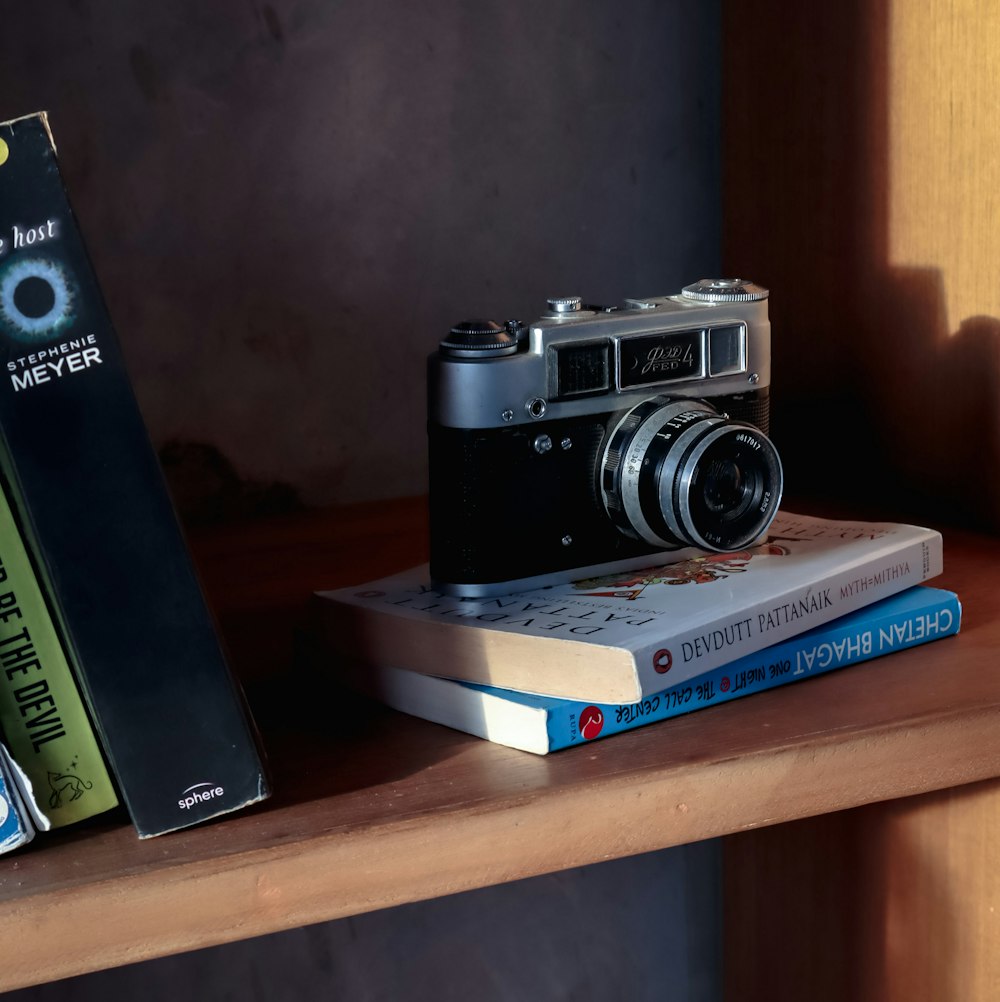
pixel 287 204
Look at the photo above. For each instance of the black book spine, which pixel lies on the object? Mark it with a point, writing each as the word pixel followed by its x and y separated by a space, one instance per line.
pixel 94 506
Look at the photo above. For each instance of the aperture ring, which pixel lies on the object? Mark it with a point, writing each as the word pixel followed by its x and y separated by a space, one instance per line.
pixel 625 461
pixel 660 490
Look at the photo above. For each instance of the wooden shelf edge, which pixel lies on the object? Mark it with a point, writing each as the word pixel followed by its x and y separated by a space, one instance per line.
pixel 190 905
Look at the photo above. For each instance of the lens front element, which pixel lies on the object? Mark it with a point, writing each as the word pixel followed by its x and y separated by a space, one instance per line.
pixel 676 472
pixel 723 486
pixel 728 487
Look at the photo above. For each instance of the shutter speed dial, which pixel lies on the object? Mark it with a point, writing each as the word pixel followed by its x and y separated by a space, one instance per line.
pixel 483 339
pixel 724 290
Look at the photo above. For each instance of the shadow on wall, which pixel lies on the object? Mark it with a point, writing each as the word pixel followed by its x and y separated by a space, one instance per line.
pixel 206 488
pixel 880 397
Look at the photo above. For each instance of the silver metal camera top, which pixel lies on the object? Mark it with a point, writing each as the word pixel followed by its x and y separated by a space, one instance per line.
pixel 724 290
pixel 488 375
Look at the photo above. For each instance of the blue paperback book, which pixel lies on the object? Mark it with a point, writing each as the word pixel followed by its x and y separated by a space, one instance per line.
pixel 15 828
pixel 541 724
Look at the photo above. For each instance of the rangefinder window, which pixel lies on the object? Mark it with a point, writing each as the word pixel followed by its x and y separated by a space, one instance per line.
pixel 666 357
pixel 727 350
pixel 581 369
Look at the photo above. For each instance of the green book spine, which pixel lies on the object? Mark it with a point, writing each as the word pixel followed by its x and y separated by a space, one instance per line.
pixel 42 715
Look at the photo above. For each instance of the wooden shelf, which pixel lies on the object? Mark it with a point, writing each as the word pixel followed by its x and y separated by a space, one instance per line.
pixel 373 809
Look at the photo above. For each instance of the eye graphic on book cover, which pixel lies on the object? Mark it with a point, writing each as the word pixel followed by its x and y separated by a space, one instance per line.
pixel 36 301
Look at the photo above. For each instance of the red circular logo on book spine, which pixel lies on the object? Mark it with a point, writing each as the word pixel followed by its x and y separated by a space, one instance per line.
pixel 591 723
pixel 663 661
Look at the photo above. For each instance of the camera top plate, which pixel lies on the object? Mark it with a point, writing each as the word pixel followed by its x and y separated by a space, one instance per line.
pixel 577 360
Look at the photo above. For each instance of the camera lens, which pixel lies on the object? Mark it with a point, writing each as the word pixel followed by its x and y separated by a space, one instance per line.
pixel 723 486
pixel 677 472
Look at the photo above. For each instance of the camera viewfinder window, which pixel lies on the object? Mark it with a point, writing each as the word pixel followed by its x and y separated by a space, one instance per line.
pixel 582 369
pixel 727 350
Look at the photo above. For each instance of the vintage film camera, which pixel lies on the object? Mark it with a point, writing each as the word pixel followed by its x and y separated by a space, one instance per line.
pixel 595 438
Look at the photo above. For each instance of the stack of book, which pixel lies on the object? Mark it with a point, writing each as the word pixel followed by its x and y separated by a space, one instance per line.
pixel 562 666
pixel 113 684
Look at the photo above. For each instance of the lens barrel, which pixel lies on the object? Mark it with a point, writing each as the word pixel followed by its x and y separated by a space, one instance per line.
pixel 677 472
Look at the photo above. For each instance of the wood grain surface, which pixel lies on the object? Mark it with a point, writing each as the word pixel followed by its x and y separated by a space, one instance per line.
pixel 373 808
pixel 861 182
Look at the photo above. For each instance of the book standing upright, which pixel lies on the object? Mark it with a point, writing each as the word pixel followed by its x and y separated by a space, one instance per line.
pixel 15 825
pixel 55 754
pixel 92 504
